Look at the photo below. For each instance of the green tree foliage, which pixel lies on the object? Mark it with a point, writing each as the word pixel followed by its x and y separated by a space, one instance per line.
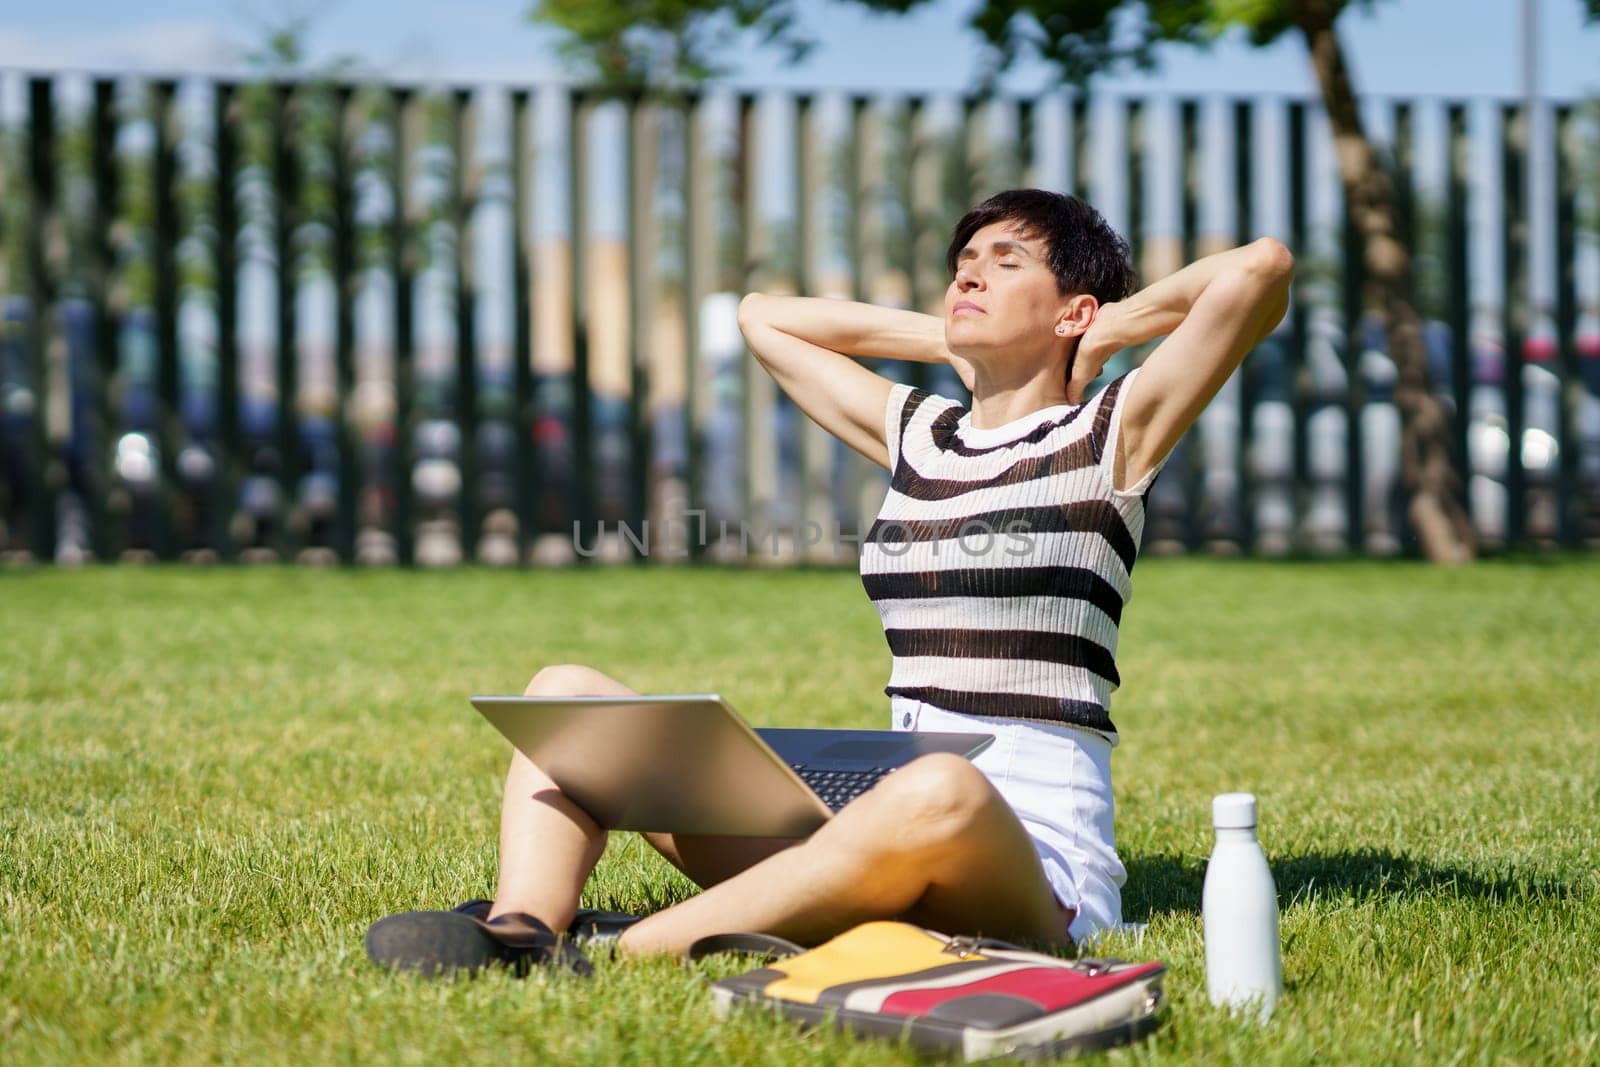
pixel 660 42
pixel 665 41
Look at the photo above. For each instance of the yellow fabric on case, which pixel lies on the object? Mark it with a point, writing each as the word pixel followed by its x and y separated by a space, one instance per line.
pixel 866 953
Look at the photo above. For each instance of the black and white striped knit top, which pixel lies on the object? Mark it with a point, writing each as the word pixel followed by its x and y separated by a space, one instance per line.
pixel 1018 617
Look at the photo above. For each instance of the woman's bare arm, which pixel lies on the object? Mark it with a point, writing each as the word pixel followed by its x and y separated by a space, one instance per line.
pixel 1215 311
pixel 806 344
pixel 1156 311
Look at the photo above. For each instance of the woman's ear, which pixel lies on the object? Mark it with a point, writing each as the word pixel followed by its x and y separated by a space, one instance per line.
pixel 1076 317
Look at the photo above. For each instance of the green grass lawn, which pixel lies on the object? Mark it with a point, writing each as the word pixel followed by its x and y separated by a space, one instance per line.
pixel 214 781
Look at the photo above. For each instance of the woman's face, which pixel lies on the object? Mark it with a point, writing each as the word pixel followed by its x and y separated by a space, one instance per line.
pixel 1003 297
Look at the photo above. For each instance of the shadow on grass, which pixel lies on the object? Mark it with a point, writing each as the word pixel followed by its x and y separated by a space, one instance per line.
pixel 1163 884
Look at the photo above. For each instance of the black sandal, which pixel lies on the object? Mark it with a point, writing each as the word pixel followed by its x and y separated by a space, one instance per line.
pixel 590 925
pixel 463 939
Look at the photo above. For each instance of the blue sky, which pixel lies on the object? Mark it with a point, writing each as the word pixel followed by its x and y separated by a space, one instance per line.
pixel 1406 47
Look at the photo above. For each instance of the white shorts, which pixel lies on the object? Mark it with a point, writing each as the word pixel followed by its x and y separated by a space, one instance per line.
pixel 1057 778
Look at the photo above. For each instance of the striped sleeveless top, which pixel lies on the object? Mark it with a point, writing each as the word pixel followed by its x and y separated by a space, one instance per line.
pixel 1002 558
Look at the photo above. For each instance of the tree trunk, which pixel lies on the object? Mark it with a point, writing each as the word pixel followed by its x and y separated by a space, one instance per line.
pixel 1426 468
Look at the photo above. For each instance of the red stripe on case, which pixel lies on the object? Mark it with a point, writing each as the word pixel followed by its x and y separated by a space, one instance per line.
pixel 1052 988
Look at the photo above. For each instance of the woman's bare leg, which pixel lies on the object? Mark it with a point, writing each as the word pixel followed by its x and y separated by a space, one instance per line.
pixel 933 843
pixel 548 845
pixel 709 858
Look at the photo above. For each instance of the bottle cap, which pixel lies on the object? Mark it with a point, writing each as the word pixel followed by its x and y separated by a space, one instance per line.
pixel 1233 811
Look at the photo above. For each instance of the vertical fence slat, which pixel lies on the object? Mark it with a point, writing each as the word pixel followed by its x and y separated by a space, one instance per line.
pixel 404 140
pixel 169 430
pixel 1050 162
pixel 1327 378
pixel 1386 530
pixel 465 184
pixel 816 444
pixel 102 164
pixel 867 221
pixel 225 206
pixel 614 331
pixel 1458 288
pixel 1158 154
pixel 1026 147
pixel 606 299
pixel 903 189
pixel 1564 250
pixel 435 450
pixel 1353 319
pixel 285 186
pixel 499 413
pixel 1204 508
pixel 16 466
pixel 665 324
pixel 1105 159
pixel 1540 371
pixel 869 269
pixel 1405 198
pixel 1270 414
pixel 66 418
pixel 1210 225
pixel 973 180
pixel 194 491
pixel 699 265
pixel 557 402
pixel 727 454
pixel 578 112
pixel 812 453
pixel 1485 412
pixel 1513 319
pixel 639 235
pixel 1300 308
pixel 1202 511
pixel 1197 147
pixel 929 209
pixel 43 467
pixel 344 279
pixel 1130 170
pixel 1586 270
pixel 1244 225
pixel 523 469
pixel 758 444
pixel 1077 141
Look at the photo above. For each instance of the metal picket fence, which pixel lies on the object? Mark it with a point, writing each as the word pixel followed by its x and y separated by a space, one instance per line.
pixel 425 324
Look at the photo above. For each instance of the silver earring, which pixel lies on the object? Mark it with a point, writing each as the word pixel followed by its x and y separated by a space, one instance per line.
pixel 1061 331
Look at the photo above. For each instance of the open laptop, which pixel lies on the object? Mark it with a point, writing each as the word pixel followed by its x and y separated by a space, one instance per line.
pixel 688 763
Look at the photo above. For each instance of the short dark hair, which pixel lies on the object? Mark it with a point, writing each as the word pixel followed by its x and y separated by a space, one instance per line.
pixel 1081 249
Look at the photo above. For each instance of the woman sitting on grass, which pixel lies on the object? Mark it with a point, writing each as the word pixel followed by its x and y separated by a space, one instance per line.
pixel 1000 563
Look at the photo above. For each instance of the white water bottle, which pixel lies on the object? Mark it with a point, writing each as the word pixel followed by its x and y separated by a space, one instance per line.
pixel 1244 968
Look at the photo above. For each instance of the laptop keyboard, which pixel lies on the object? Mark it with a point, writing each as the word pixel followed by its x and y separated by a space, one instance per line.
pixel 838 788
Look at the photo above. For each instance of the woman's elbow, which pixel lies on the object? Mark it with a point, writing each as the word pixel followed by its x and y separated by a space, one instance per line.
pixel 750 310
pixel 1271 257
